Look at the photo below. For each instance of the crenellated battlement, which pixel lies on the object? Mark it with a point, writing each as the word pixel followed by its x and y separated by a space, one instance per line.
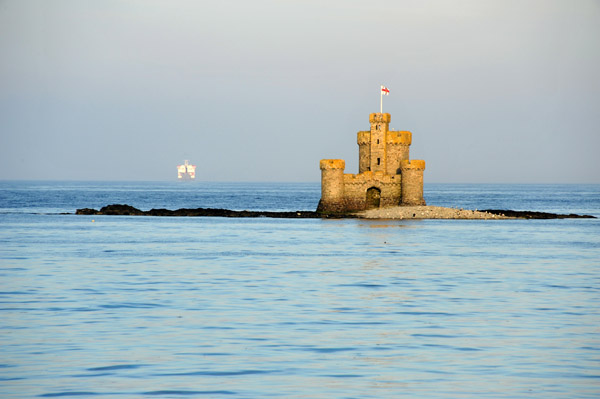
pixel 392 137
pixel 371 177
pixel 332 164
pixel 386 175
pixel 402 137
pixel 415 164
pixel 363 137
pixel 377 117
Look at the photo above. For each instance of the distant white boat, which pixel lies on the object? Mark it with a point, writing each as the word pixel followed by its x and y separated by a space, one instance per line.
pixel 186 171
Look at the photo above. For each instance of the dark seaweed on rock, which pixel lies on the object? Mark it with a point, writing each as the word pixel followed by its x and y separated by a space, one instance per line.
pixel 535 215
pixel 128 210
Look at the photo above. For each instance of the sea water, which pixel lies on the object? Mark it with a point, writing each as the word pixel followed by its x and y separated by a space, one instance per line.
pixel 134 307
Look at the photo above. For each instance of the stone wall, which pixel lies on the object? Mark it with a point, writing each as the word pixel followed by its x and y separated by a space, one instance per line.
pixel 356 186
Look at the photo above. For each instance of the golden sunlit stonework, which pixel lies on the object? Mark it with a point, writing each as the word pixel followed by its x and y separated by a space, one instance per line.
pixel 386 176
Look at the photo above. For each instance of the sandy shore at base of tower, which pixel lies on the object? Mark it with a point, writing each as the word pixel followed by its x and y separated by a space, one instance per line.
pixel 426 212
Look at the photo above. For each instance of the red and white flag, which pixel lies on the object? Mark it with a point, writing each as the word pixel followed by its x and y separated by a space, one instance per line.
pixel 385 91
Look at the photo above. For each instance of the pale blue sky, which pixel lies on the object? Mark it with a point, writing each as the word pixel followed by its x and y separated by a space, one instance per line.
pixel 493 91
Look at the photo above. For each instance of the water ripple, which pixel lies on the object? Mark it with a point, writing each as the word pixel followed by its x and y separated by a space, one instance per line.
pixel 219 373
pixel 184 393
pixel 116 367
pixel 131 305
pixel 69 393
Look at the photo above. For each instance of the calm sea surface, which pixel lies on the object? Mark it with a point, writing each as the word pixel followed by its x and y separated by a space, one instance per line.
pixel 136 307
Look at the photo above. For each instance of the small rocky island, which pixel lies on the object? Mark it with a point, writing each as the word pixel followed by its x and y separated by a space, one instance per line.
pixel 399 212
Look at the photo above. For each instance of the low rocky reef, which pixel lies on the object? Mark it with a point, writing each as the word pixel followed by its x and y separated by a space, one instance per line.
pixel 537 215
pixel 128 210
pixel 399 212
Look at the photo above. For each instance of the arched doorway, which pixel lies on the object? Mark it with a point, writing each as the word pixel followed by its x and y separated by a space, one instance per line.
pixel 373 198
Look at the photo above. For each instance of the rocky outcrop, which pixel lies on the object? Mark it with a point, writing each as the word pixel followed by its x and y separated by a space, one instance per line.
pixel 398 212
pixel 128 210
pixel 536 215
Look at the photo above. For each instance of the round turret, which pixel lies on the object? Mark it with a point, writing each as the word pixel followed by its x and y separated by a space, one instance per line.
pixel 398 147
pixel 332 185
pixel 412 181
pixel 363 140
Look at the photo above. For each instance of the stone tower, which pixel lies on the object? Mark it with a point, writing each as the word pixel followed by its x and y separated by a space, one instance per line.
pixel 386 176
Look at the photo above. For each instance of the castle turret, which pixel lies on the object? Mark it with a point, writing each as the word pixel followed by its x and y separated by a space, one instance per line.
pixel 381 149
pixel 332 185
pixel 364 151
pixel 412 182
pixel 397 149
pixel 380 124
